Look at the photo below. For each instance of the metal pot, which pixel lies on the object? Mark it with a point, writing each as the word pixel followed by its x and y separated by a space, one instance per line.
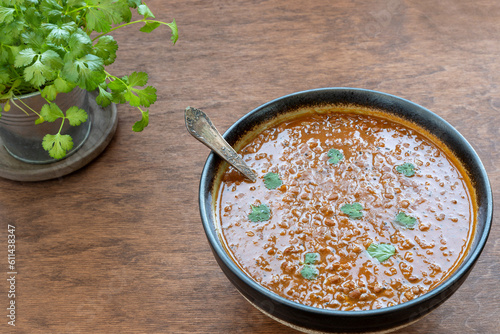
pixel 22 138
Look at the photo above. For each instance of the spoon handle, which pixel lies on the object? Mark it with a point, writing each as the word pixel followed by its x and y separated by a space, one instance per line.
pixel 200 127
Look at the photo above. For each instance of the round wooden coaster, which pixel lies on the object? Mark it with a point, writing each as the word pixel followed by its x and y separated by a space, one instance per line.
pixel 104 123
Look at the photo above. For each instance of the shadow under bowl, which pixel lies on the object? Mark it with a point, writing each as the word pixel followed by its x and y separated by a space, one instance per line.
pixel 316 320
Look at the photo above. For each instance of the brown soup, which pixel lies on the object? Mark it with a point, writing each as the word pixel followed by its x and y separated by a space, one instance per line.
pixel 352 210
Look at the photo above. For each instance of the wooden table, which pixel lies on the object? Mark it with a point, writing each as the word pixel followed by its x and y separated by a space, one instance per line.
pixel 118 246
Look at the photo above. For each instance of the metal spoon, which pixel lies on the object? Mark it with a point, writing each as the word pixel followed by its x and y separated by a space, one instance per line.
pixel 200 126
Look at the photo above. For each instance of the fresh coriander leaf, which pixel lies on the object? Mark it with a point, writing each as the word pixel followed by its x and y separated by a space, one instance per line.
pixel 309 272
pixel 25 57
pixel 311 258
pixel 37 73
pixel 137 79
pixel 79 45
pixel 7 14
pixel 49 92
pixel 51 8
pixel 407 169
pixel 59 33
pixel 39 120
pixel 335 156
pixel 134 3
pixel 272 180
pixel 381 251
pixel 259 213
pixel 405 220
pixel 101 16
pixel 87 72
pixel 51 59
pixel 149 26
pixel 57 145
pixel 63 86
pixel 51 112
pixel 104 98
pixel 175 31
pixel 145 11
pixel 105 48
pixel 140 97
pixel 76 116
pixel 140 125
pixel 352 210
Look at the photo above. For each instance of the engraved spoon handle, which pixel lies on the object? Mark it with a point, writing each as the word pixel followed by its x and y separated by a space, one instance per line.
pixel 200 127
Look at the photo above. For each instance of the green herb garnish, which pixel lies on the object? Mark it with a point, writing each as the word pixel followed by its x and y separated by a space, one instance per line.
pixel 335 156
pixel 405 220
pixel 311 258
pixel 353 210
pixel 381 251
pixel 272 180
pixel 309 272
pixel 259 213
pixel 407 169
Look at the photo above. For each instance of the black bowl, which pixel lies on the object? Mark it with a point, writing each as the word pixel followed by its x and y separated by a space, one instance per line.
pixel 312 319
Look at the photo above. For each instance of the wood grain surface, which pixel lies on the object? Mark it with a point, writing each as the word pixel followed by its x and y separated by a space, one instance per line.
pixel 118 246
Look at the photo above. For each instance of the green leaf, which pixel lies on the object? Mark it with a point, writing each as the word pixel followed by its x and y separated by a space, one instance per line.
pixel 259 213
pixel 37 73
pixel 87 72
pixel 335 156
pixel 105 48
pixel 145 11
pixel 272 180
pixel 149 26
pixel 140 125
pixel 25 57
pixel 134 3
pixel 136 96
pixel 57 145
pixel 59 33
pixel 7 14
pixel 76 116
pixel 175 31
pixel 51 59
pixel 63 86
pixel 51 112
pixel 381 251
pixel 49 92
pixel 407 169
pixel 79 45
pixel 311 258
pixel 137 79
pixel 353 210
pixel 405 220
pixel 104 13
pixel 51 8
pixel 104 98
pixel 309 272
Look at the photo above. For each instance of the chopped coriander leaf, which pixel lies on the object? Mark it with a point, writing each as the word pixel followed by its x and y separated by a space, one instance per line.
pixel 311 258
pixel 335 156
pixel 381 251
pixel 259 213
pixel 407 169
pixel 309 272
pixel 352 210
pixel 272 180
pixel 405 220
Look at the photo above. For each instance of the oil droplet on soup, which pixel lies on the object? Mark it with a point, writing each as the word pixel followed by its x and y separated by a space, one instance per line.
pixel 386 211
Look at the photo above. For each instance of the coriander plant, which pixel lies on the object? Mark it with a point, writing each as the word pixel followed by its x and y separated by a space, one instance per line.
pixel 52 46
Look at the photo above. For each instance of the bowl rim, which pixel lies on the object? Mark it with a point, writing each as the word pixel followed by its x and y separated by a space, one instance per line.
pixel 460 272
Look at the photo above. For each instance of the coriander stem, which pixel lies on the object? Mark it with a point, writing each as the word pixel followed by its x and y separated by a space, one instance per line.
pixel 27 106
pixel 118 27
